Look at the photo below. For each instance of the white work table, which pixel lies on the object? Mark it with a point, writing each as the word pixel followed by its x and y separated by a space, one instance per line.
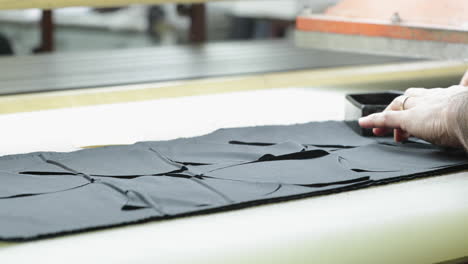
pixel 419 221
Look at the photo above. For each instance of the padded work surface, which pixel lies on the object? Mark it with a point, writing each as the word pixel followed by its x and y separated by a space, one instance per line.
pixel 53 72
pixel 48 194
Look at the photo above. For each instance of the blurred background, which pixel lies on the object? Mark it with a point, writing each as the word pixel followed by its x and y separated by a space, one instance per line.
pixel 87 28
pixel 95 44
pixel 87 44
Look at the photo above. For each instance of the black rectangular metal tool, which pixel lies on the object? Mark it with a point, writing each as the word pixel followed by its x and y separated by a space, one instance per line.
pixel 360 105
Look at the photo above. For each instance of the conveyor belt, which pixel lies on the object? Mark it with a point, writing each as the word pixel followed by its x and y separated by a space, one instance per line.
pixel 40 73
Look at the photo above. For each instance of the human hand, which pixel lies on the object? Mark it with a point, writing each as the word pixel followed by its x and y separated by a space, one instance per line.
pixel 429 114
pixel 464 81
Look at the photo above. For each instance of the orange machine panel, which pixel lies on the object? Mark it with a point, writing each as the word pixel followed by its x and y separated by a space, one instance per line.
pixel 431 20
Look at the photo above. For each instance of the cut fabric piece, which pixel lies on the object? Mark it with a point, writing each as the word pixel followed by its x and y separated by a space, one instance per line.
pixel 319 172
pixel 384 157
pixel 49 194
pixel 214 153
pixel 315 133
pixel 135 201
pixel 91 206
pixel 15 185
pixel 241 191
pixel 306 153
pixel 173 194
pixel 201 170
pixel 112 161
pixel 325 147
pixel 24 162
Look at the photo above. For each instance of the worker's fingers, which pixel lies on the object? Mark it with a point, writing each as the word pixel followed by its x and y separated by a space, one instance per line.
pixel 387 119
pixel 415 92
pixel 464 81
pixel 395 105
pixel 402 102
pixel 399 135
pixel 405 136
pixel 381 131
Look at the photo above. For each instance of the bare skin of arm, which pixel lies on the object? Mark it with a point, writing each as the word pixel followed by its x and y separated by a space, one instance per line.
pixel 464 81
pixel 438 115
pixel 462 120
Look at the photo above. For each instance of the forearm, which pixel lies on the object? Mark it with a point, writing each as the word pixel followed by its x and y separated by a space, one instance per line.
pixel 461 125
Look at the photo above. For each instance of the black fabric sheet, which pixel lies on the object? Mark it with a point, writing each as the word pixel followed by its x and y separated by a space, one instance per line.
pixel 48 194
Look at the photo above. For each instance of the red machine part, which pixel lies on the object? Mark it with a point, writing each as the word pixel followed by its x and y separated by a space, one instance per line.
pixel 431 20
